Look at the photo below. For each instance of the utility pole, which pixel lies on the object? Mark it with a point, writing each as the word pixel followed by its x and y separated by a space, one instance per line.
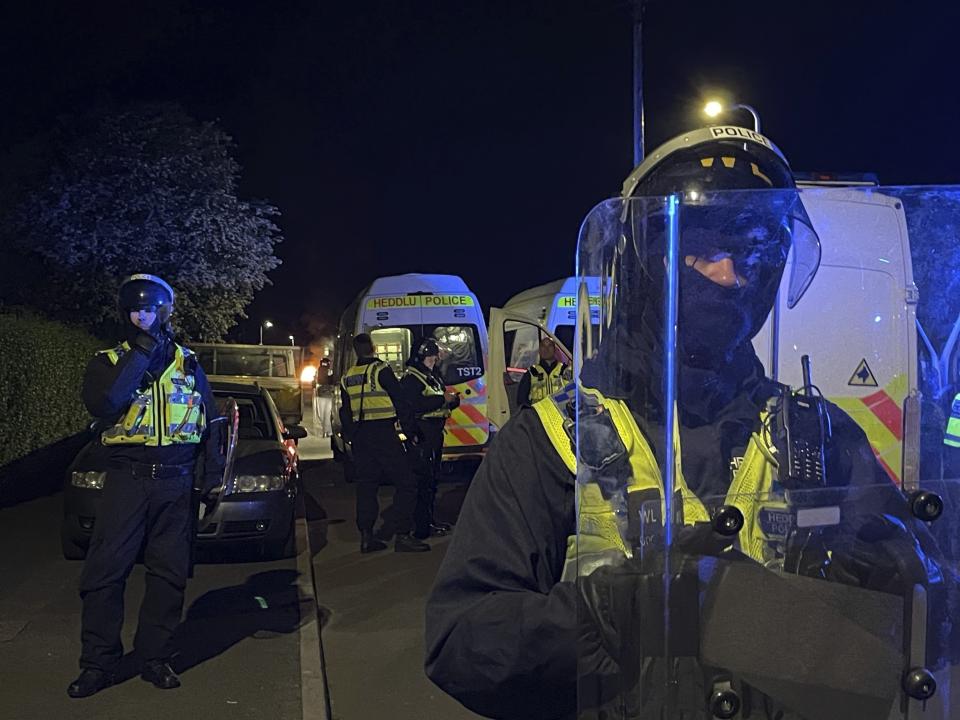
pixel 638 119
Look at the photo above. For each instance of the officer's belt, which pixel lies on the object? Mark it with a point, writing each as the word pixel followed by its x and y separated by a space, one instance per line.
pixel 153 471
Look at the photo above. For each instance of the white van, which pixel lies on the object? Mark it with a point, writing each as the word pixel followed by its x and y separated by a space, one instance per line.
pixel 397 310
pixel 554 305
pixel 867 364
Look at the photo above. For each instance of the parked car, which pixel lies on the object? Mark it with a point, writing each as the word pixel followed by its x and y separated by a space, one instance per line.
pixel 256 503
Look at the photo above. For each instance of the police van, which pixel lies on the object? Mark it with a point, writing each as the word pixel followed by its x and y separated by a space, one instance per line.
pixel 398 310
pixel 866 362
pixel 520 324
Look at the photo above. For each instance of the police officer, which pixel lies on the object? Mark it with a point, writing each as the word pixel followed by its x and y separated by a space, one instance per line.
pixel 502 628
pixel 158 416
pixel 431 402
pixel 371 409
pixel 546 377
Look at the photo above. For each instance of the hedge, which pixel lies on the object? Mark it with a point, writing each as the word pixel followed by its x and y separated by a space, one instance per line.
pixel 41 369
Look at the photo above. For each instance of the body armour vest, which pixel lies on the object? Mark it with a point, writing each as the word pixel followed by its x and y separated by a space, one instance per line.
pixel 167 411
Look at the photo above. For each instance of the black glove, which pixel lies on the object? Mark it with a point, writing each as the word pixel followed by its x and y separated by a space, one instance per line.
pixel 622 611
pixel 884 556
pixel 144 342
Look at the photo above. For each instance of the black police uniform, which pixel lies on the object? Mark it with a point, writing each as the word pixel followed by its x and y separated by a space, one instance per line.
pixel 426 455
pixel 146 502
pixel 501 626
pixel 378 452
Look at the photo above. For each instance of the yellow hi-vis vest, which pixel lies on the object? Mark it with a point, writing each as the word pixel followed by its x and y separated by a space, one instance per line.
pixel 599 532
pixel 431 388
pixel 544 384
pixel 368 401
pixel 169 411
pixel 952 436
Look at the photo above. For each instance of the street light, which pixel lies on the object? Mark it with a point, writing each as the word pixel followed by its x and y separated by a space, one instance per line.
pixel 714 108
pixel 291 339
pixel 265 324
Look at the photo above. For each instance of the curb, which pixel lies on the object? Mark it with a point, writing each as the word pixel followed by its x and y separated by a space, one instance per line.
pixel 314 692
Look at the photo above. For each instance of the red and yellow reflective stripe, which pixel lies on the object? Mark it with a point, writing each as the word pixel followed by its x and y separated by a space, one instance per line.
pixel 880 415
pixel 468 424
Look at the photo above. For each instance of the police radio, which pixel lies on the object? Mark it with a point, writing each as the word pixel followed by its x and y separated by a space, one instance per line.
pixel 801 434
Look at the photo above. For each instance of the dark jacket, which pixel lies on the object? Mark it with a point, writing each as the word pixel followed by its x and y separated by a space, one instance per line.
pixel 109 388
pixel 429 429
pixel 501 628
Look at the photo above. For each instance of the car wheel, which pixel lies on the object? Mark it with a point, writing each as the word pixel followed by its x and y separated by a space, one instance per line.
pixel 74 548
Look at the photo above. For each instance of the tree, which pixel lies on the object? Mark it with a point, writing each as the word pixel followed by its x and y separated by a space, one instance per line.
pixel 148 189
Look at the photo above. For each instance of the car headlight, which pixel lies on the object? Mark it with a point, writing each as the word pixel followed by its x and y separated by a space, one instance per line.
pixel 92 480
pixel 258 483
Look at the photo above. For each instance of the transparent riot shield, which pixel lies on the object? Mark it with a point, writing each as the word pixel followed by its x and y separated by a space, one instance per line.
pixel 752 548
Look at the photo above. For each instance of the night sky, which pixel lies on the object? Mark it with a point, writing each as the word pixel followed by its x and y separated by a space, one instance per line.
pixel 471 138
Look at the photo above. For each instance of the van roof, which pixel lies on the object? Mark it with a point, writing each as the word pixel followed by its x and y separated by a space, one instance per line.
pixel 417 282
pixel 564 286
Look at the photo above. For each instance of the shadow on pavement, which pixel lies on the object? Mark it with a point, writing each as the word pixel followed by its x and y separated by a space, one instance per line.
pixel 264 606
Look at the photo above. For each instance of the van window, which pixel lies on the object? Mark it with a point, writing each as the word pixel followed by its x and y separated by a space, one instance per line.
pixel 521 344
pixel 281 368
pixel 205 359
pixel 462 359
pixel 392 345
pixel 242 361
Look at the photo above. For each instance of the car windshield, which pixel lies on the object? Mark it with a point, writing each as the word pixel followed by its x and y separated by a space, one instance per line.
pixel 255 420
pixel 237 361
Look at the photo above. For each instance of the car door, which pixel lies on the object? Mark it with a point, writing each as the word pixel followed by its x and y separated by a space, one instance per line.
pixel 514 340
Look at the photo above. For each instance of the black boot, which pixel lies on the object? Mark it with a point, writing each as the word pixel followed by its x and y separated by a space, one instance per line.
pixel 89 683
pixel 408 543
pixel 438 529
pixel 369 544
pixel 160 674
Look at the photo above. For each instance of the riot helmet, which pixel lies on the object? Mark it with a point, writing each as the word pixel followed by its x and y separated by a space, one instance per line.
pixel 739 209
pixel 756 229
pixel 427 347
pixel 146 292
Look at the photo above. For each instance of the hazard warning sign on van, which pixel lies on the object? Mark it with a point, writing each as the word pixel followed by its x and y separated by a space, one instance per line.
pixel 862 376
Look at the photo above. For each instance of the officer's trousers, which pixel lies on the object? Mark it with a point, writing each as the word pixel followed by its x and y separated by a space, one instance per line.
pixel 425 463
pixel 134 509
pixel 378 453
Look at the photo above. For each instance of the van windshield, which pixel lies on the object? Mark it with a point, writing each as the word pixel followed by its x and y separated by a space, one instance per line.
pixel 461 356
pixel 236 361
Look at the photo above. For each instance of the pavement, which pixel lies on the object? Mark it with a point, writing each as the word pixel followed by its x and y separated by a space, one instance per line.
pixel 238 649
pixel 372 607
pixel 255 642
